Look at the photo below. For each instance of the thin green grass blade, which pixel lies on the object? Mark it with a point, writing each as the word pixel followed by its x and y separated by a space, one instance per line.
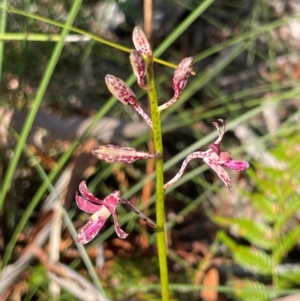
pixel 39 37
pixel 201 56
pixel 77 30
pixel 182 27
pixel 245 36
pixel 204 77
pixel 40 192
pixel 39 97
pixel 243 118
pixel 85 257
pixel 3 17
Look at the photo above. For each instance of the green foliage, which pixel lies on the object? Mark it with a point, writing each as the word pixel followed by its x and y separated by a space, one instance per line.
pixel 257 232
pixel 254 260
pixel 288 274
pixel 285 242
pixel 276 231
pixel 38 285
pixel 125 272
pixel 248 290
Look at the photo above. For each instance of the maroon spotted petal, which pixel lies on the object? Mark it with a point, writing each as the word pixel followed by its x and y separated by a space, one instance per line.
pixel 182 73
pixel 111 203
pixel 101 211
pixel 139 66
pixel 120 90
pixel 93 226
pixel 114 153
pixel 140 42
pixel 87 194
pixel 86 205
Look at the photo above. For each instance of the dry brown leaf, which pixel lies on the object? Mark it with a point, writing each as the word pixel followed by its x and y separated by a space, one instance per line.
pixel 211 278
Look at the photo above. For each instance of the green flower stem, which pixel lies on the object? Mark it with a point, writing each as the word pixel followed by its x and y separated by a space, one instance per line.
pixel 160 209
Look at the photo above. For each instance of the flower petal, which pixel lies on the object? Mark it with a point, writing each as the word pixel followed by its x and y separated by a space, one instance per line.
pixel 221 132
pixel 113 153
pixel 111 203
pixel 140 42
pixel 122 234
pixel 120 90
pixel 86 205
pixel 236 165
pixel 183 166
pixel 180 78
pixel 182 73
pixel 139 66
pixel 87 194
pixel 93 226
pixel 220 171
pixel 224 157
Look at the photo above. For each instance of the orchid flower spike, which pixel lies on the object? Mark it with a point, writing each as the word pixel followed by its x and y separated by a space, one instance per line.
pixel 140 42
pixel 180 79
pixel 139 67
pixel 215 159
pixel 113 153
pixel 101 211
pixel 123 93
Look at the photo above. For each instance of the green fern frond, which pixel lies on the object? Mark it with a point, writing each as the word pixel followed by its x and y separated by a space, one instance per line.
pixel 285 243
pixel 255 232
pixel 253 259
pixel 288 275
pixel 291 206
pixel 262 204
pixel 247 290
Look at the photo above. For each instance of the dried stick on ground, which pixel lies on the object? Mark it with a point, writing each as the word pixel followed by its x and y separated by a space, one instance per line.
pixel 65 188
pixel 11 272
pixel 69 279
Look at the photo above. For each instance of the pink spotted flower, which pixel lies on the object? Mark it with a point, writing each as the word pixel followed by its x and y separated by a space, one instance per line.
pixel 101 211
pixel 215 159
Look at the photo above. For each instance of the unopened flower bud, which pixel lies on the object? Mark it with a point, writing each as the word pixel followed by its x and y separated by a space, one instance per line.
pixel 122 92
pixel 181 76
pixel 113 153
pixel 139 66
pixel 140 42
